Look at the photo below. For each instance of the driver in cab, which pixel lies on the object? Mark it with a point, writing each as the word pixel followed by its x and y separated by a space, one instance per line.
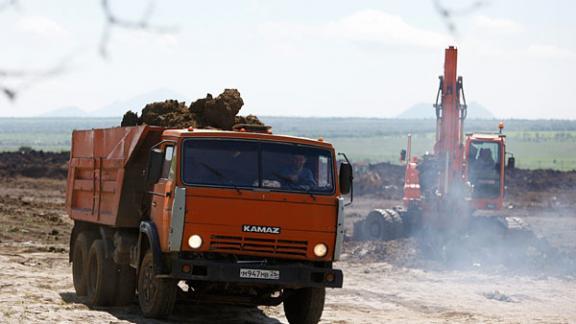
pixel 295 175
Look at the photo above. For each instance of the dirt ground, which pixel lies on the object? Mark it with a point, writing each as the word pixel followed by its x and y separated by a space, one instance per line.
pixel 384 281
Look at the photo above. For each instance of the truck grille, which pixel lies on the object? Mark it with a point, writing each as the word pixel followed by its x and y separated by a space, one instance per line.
pixel 258 245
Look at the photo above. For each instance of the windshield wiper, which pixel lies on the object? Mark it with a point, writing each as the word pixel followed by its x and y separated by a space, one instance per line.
pixel 214 171
pixel 221 176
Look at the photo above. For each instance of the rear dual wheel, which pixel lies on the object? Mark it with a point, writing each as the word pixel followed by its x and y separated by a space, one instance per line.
pixel 101 277
pixel 98 277
pixel 79 263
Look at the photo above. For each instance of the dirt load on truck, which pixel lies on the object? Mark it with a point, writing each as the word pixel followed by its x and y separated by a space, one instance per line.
pixel 220 113
pixel 239 217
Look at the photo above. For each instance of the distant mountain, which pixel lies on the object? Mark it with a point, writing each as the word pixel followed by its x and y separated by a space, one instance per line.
pixel 118 108
pixel 66 112
pixel 426 111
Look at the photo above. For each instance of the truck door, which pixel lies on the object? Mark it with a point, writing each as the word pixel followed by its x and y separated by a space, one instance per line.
pixel 161 206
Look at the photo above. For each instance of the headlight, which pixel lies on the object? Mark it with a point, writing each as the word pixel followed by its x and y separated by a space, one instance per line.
pixel 195 241
pixel 320 249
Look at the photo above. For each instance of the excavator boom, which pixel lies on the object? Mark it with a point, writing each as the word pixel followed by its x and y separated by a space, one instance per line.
pixel 450 115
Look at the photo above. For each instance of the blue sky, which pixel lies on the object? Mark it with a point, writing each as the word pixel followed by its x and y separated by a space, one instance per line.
pixel 297 58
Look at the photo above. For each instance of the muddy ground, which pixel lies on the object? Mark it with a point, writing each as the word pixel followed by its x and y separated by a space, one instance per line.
pixel 384 281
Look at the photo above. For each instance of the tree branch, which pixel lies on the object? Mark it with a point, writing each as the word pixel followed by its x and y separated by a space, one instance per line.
pixel 14 81
pixel 448 14
pixel 112 21
pixel 5 5
pixel 27 78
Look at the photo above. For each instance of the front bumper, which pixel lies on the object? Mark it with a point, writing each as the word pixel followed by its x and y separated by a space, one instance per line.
pixel 294 275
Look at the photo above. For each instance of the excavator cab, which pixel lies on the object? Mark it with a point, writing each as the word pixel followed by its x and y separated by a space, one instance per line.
pixel 484 158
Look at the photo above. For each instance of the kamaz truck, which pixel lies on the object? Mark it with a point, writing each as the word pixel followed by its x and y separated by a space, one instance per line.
pixel 242 217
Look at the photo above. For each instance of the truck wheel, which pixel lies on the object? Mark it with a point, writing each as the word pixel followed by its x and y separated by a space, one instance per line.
pixel 127 281
pixel 155 295
pixel 305 305
pixel 80 264
pixel 101 279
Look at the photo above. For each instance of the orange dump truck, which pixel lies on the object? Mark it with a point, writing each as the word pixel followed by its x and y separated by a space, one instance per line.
pixel 242 217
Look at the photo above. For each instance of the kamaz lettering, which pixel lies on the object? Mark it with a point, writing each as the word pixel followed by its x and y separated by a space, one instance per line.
pixel 261 229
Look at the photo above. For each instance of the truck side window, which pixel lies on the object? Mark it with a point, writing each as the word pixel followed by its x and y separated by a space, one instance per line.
pixel 324 176
pixel 168 157
pixel 172 173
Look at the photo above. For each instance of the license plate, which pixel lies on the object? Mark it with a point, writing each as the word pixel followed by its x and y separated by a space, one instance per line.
pixel 260 274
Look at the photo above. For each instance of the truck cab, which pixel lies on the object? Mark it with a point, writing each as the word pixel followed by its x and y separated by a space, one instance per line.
pixel 239 217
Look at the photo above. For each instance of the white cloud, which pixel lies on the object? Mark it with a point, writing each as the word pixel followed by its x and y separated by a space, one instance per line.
pixel 367 26
pixel 381 27
pixel 497 24
pixel 167 40
pixel 289 31
pixel 41 26
pixel 550 52
pixel 143 38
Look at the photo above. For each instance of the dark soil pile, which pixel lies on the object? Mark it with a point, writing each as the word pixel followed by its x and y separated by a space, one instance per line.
pixel 220 112
pixel 540 180
pixel 386 180
pixel 35 164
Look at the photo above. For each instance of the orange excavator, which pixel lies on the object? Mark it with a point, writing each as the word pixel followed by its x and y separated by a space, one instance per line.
pixel 446 193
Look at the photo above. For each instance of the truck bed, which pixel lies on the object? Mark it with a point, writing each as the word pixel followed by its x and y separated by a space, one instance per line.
pixel 106 174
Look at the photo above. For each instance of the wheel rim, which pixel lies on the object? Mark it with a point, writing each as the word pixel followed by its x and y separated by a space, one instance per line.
pixel 148 289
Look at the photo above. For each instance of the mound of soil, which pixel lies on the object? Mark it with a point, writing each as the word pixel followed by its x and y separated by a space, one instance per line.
pixel 540 180
pixel 386 180
pixel 169 113
pixel 34 164
pixel 220 112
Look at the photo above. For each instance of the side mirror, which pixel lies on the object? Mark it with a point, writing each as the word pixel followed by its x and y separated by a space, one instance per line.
pixel 345 177
pixel 402 155
pixel 511 163
pixel 155 166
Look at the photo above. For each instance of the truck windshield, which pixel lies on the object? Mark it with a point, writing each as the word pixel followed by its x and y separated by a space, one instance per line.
pixel 484 168
pixel 251 164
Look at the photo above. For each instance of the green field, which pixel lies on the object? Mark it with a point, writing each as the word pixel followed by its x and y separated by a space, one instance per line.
pixel 534 143
pixel 49 134
pixel 560 155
